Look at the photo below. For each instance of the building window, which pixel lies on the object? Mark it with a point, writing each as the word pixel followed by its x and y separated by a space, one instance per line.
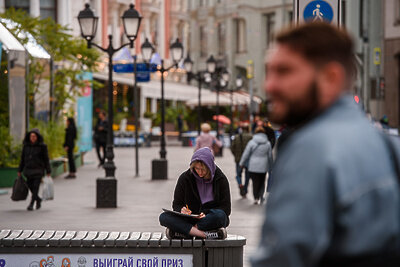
pixel 290 17
pixel 148 105
pixel 203 41
pixel 240 36
pixel 269 27
pixel 19 4
pixel 397 12
pixel 221 38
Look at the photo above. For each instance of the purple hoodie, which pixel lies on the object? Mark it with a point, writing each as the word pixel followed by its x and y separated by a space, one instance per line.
pixel 205 187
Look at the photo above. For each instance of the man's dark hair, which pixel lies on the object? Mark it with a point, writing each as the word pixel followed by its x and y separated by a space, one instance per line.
pixel 321 43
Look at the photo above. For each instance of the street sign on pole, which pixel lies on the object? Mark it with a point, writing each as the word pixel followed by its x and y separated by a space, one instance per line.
pixel 317 11
pixel 143 70
pixel 377 56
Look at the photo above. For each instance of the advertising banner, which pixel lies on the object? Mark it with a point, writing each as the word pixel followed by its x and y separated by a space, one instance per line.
pixel 85 114
pixel 96 260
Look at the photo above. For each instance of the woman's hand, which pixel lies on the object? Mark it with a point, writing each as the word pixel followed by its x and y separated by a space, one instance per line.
pixel 66 148
pixel 186 210
pixel 201 216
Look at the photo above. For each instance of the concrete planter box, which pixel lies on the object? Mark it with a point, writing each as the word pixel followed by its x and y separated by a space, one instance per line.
pixel 7 176
pixel 58 166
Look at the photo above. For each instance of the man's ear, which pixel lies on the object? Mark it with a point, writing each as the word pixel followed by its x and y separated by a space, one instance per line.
pixel 331 83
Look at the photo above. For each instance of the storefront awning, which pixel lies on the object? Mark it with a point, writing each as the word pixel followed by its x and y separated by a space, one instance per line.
pixel 11 43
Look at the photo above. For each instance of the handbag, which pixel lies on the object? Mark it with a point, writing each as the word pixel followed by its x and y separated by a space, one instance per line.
pixel 20 189
pixel 215 148
pixel 48 188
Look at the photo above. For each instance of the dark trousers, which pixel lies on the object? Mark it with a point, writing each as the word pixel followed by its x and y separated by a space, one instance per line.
pixel 258 184
pixel 239 171
pixel 71 160
pixel 99 156
pixel 215 219
pixel 33 185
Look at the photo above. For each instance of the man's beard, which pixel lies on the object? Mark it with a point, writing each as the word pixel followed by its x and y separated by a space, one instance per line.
pixel 299 111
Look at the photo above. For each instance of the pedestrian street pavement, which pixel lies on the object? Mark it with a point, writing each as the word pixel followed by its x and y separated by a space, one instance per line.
pixel 139 199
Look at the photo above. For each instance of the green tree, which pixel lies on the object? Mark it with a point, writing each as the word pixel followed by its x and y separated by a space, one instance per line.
pixel 70 55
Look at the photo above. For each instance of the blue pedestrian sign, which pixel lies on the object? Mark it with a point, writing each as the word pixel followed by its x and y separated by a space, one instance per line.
pixel 318 11
pixel 328 11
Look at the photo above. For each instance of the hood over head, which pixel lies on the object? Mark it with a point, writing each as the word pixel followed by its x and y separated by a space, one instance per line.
pixel 37 132
pixel 260 138
pixel 206 156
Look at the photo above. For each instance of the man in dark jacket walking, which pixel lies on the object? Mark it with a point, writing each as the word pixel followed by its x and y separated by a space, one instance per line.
pixel 238 145
pixel 34 161
pixel 203 189
pixel 100 136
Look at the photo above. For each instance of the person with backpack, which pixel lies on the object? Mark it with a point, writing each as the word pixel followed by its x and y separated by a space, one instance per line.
pixel 238 145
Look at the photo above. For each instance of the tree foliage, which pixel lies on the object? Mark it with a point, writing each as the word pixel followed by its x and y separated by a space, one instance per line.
pixel 70 55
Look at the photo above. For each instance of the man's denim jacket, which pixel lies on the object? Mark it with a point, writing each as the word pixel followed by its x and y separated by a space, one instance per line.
pixel 334 192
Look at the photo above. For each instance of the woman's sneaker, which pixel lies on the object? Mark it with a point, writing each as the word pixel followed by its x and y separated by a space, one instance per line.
pixel 174 235
pixel 216 234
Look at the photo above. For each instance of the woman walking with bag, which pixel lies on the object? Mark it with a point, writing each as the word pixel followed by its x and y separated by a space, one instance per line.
pixel 257 156
pixel 69 144
pixel 34 162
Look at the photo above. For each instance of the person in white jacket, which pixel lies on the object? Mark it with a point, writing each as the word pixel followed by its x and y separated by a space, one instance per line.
pixel 257 157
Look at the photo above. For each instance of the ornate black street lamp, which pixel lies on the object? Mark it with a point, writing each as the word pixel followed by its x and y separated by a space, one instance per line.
pixel 218 78
pixel 106 188
pixel 199 77
pixel 147 50
pixel 159 166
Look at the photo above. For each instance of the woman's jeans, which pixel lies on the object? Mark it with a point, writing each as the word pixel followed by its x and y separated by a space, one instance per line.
pixel 239 171
pixel 215 219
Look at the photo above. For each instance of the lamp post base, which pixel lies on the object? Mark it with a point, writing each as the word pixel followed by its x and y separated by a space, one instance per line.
pixel 106 195
pixel 159 169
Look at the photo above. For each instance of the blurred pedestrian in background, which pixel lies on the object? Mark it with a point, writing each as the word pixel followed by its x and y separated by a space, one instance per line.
pixel 238 145
pixel 335 197
pixel 100 137
pixel 34 162
pixel 179 121
pixel 69 145
pixel 207 140
pixel 257 158
pixel 270 132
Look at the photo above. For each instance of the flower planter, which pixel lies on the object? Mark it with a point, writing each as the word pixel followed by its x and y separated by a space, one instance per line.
pixel 7 176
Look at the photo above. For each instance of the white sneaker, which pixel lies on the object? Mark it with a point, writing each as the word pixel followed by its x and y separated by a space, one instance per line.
pixel 216 234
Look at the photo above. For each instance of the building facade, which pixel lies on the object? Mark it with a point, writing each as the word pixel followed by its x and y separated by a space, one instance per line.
pixel 237 32
pixel 392 61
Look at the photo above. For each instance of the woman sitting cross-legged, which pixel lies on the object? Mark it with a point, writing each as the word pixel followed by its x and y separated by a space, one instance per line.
pixel 203 189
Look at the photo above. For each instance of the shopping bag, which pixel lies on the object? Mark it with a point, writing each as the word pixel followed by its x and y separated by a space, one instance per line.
pixel 48 189
pixel 20 189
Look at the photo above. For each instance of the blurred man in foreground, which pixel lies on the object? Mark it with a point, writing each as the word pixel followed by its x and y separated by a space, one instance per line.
pixel 335 198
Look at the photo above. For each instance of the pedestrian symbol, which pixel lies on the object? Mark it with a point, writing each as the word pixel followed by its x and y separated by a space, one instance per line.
pixel 318 11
